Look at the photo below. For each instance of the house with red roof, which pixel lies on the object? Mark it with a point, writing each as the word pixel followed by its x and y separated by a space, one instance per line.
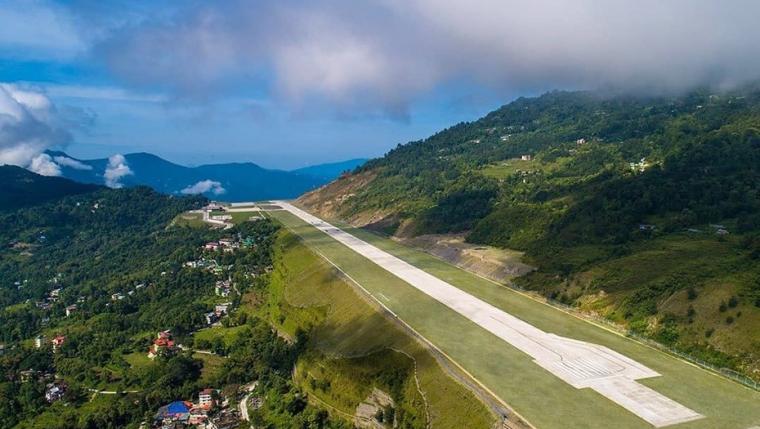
pixel 58 342
pixel 163 345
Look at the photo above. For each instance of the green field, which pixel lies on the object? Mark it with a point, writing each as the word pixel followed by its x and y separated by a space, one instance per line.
pixel 541 398
pixel 193 220
pixel 228 335
pixel 504 169
pixel 240 217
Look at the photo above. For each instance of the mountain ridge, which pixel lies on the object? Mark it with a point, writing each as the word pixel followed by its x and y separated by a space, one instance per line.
pixel 235 181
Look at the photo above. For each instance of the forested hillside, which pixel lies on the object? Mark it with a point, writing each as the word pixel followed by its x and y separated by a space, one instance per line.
pixel 87 282
pixel 644 210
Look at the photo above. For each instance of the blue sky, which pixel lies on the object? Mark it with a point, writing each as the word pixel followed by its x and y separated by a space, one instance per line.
pixel 254 126
pixel 290 83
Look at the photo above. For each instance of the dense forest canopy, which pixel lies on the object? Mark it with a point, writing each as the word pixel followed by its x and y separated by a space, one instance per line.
pixel 700 153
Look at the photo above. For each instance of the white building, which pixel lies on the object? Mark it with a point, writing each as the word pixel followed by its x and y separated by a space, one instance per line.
pixel 206 398
pixel 71 309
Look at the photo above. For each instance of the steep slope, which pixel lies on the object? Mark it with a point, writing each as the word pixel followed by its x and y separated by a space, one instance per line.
pixel 22 188
pixel 644 210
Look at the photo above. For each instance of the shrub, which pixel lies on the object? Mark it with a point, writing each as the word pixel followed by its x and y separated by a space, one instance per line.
pixel 729 320
pixel 691 294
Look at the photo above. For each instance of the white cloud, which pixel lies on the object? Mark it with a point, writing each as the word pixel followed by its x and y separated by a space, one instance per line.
pixel 204 186
pixel 116 170
pixel 28 127
pixel 71 163
pixel 44 165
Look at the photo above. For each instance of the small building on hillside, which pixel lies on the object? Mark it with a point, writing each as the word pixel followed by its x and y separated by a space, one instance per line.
pixel 71 309
pixel 163 345
pixel 58 342
pixel 55 391
pixel 198 417
pixel 177 412
pixel 222 309
pixel 28 375
pixel 223 288
pixel 39 341
pixel 526 157
pixel 211 318
pixel 206 399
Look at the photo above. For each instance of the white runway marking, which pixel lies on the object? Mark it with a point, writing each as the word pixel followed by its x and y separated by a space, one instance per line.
pixel 578 363
pixel 383 297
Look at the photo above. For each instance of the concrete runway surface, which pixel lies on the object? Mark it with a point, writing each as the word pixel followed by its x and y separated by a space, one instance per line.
pixel 578 363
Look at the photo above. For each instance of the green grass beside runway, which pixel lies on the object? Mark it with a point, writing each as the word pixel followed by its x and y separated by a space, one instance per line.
pixel 539 396
pixel 353 347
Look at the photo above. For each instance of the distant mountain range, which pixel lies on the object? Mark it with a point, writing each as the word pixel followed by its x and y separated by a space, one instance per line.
pixel 22 188
pixel 230 182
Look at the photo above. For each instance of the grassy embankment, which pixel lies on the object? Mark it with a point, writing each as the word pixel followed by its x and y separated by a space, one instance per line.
pixel 353 347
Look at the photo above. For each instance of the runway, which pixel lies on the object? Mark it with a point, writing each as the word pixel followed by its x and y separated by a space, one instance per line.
pixel 580 364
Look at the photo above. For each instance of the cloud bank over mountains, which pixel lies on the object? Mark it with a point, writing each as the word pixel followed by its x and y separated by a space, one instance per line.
pixel 383 54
